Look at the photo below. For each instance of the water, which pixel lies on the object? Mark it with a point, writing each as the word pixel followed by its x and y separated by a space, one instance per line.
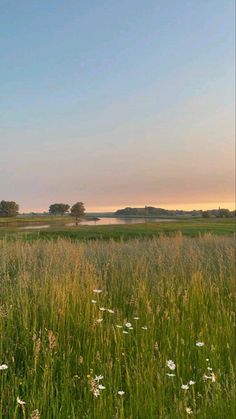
pixel 99 222
pixel 34 227
pixel 116 220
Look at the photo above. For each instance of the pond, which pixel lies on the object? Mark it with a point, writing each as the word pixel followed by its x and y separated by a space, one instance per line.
pixel 97 222
pixel 123 220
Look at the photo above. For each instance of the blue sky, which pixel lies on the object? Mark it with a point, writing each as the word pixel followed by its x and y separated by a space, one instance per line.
pixel 117 103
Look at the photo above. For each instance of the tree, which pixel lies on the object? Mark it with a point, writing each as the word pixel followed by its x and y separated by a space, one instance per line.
pixel 59 209
pixel 223 212
pixel 8 209
pixel 206 214
pixel 77 210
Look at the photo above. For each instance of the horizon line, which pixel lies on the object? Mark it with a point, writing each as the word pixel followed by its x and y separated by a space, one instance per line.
pixel 184 207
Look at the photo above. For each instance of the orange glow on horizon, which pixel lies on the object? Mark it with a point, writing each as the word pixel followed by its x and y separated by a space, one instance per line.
pixel 184 206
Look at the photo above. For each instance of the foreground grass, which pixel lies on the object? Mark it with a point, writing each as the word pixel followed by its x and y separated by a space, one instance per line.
pixel 54 343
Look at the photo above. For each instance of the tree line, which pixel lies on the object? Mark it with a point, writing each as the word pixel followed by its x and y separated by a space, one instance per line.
pixel 158 212
pixel 11 209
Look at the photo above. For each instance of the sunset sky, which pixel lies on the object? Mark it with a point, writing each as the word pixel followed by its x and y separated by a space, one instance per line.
pixel 117 103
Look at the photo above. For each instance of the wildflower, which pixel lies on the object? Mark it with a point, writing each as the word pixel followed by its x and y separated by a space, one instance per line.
pixel 93 301
pixel 121 393
pixel 96 392
pixel 3 367
pixel 136 318
pixel 189 410
pixel 170 364
pixel 110 311
pixel 209 368
pixel 185 386
pixel 199 344
pixel 170 374
pixel 102 309
pixel 99 320
pixel 128 324
pixel 19 401
pixel 191 382
pixel 144 327
pixel 95 387
pixel 213 377
pixel 119 326
pixel 97 291
pixel 207 360
pixel 210 377
pixel 125 332
pixel 98 377
pixel 35 414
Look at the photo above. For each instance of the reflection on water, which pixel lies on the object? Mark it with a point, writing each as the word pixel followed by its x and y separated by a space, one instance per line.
pixel 35 227
pixel 113 220
pixel 96 222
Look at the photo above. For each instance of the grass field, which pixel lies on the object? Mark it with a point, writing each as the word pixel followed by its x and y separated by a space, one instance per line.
pixel 189 227
pixel 165 299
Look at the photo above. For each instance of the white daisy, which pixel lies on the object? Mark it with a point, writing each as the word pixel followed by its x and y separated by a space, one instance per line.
pixel 19 401
pixel 170 364
pixel 121 393
pixel 210 377
pixel 199 344
pixel 189 410
pixel 191 382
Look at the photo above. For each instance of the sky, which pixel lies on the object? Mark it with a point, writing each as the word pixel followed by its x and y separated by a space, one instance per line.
pixel 117 103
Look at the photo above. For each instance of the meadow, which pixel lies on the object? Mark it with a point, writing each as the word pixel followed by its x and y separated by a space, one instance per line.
pixel 139 329
pixel 11 228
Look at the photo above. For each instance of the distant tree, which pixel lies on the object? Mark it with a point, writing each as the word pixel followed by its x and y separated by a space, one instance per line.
pixel 59 209
pixel 223 212
pixel 77 210
pixel 8 209
pixel 206 214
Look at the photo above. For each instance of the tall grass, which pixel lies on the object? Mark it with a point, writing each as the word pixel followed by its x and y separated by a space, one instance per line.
pixel 180 288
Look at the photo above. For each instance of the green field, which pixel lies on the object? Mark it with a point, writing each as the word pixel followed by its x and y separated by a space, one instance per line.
pixel 190 227
pixel 159 298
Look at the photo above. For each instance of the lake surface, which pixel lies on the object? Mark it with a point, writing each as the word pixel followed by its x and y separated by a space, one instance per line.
pixel 101 221
pixel 116 220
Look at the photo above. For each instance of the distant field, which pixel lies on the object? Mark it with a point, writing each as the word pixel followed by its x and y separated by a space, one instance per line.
pixel 156 343
pixel 189 227
pixel 33 219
